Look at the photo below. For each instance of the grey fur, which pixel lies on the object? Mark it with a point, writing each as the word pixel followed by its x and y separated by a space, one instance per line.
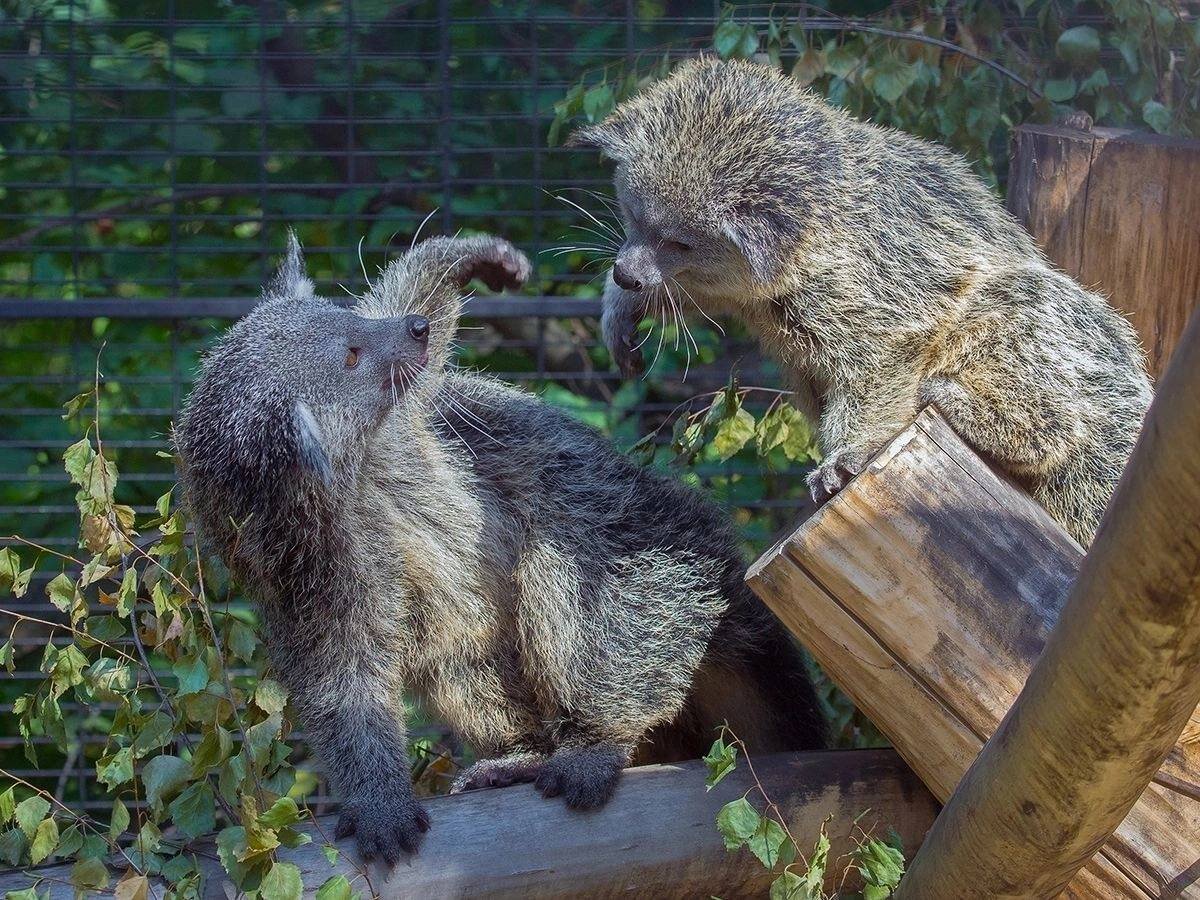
pixel 879 271
pixel 557 605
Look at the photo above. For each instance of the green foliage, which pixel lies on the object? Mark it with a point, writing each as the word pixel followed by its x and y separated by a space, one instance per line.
pixel 878 865
pixel 963 73
pixel 176 678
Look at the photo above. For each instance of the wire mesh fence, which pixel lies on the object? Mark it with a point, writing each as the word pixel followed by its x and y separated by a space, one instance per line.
pixel 153 156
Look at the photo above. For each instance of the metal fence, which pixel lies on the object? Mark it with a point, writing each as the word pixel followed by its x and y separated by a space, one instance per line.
pixel 153 154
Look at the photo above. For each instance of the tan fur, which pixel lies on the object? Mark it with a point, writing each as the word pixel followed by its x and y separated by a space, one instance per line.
pixel 878 270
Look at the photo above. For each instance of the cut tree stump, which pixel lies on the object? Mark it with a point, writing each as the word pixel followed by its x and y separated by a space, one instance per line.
pixel 657 837
pixel 926 589
pixel 1119 211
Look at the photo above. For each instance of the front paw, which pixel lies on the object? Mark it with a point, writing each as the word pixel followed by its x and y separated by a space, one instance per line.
pixel 384 829
pixel 503 771
pixel 835 471
pixel 495 262
pixel 585 776
pixel 622 313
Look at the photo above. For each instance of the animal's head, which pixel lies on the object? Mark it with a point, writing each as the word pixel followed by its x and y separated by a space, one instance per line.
pixel 719 170
pixel 294 389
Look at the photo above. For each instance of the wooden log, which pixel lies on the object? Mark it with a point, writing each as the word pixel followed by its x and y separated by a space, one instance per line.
pixel 1109 695
pixel 1119 211
pixel 926 589
pixel 657 837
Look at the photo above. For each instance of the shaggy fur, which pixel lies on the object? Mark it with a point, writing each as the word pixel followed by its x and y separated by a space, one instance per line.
pixel 878 270
pixel 557 605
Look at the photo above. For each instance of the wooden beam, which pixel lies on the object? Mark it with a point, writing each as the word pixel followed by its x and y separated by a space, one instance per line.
pixel 1119 211
pixel 656 838
pixel 1118 679
pixel 926 589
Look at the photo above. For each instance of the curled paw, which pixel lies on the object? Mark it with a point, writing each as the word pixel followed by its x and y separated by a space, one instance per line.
pixel 622 312
pixel 835 471
pixel 585 777
pixel 384 828
pixel 495 262
pixel 500 772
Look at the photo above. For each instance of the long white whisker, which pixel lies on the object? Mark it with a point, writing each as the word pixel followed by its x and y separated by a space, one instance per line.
pixel 417 233
pixel 699 308
pixel 362 264
pixel 604 225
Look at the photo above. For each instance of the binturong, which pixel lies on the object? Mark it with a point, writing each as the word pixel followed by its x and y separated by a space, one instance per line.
pixel 879 272
pixel 409 529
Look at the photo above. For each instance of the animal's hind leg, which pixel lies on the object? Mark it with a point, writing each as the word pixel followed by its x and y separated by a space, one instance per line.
pixel 1029 439
pixel 519 767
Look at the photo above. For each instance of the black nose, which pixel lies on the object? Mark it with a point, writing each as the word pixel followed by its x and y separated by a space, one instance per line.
pixel 624 280
pixel 418 327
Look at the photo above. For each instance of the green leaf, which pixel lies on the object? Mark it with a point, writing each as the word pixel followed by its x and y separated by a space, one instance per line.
pixel 726 38
pixel 118 820
pixel 8 806
pixel 192 674
pixel 721 760
pixel 335 888
pixel 814 876
pixel 12 846
pixel 1060 90
pixel 89 874
pixel 283 882
pixel 733 433
pixel 1079 46
pixel 29 814
pixel 157 731
pixel 1156 116
pixel 29 893
pixel 790 886
pixel 768 841
pixel 194 811
pixel 12 577
pixel 115 769
pixel 77 458
pixel 880 865
pixel 163 776
pixel 127 595
pixel 45 839
pixel 331 853
pixel 214 748
pixel 282 813
pixel 241 640
pixel 598 102
pixel 260 736
pixel 890 78
pixel 737 821
pixel 7 657
pixel 270 696
pixel 71 841
pixel 61 591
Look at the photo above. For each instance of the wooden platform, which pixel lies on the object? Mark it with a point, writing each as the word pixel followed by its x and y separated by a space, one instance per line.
pixel 926 589
pixel 656 838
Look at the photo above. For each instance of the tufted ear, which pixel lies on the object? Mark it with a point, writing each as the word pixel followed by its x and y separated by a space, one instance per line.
pixel 291 279
pixel 763 239
pixel 602 137
pixel 310 443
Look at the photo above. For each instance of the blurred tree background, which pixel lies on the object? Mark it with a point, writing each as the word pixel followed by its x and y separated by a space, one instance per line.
pixel 153 154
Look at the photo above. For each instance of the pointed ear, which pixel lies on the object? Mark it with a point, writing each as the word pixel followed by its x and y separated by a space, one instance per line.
pixel 600 137
pixel 310 443
pixel 763 240
pixel 291 279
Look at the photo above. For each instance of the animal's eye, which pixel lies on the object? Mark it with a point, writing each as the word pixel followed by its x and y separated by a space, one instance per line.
pixel 679 246
pixel 352 357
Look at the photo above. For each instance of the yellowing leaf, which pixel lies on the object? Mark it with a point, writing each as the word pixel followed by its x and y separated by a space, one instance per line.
pixel 283 882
